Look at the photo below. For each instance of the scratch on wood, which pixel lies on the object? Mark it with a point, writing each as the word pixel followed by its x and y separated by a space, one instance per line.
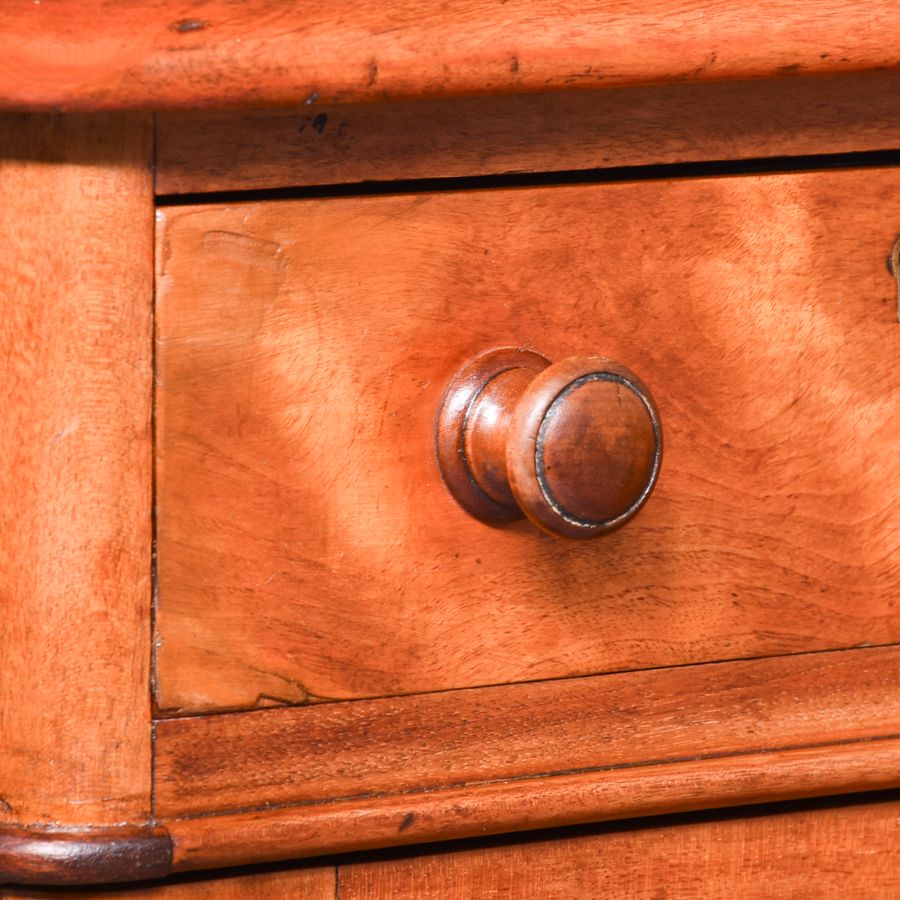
pixel 182 26
pixel 66 431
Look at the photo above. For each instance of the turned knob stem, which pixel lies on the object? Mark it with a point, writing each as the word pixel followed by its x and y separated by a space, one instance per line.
pixel 575 446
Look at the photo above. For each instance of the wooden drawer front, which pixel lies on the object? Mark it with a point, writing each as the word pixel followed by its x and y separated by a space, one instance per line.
pixel 775 852
pixel 307 548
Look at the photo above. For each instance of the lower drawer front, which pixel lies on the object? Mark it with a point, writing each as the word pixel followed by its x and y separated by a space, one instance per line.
pixel 774 852
pixel 307 547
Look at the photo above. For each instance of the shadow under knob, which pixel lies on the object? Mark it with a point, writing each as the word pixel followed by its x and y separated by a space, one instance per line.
pixel 575 446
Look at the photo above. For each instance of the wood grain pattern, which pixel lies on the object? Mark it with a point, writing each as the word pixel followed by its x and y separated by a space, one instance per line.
pixel 369 748
pixel 75 54
pixel 843 851
pixel 308 549
pixel 93 856
pixel 460 136
pixel 294 883
pixel 75 466
pixel 369 822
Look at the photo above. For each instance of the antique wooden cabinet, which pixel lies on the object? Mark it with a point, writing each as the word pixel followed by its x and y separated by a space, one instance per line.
pixel 444 423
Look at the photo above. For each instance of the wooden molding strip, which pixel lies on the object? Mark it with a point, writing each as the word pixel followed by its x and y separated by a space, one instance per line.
pixel 277 834
pixel 84 856
pixel 162 54
pixel 428 742
pixel 198 152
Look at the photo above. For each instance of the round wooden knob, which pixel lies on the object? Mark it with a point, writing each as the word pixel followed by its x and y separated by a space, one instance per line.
pixel 575 446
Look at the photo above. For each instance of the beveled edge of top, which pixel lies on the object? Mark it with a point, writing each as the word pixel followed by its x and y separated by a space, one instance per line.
pixel 75 56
